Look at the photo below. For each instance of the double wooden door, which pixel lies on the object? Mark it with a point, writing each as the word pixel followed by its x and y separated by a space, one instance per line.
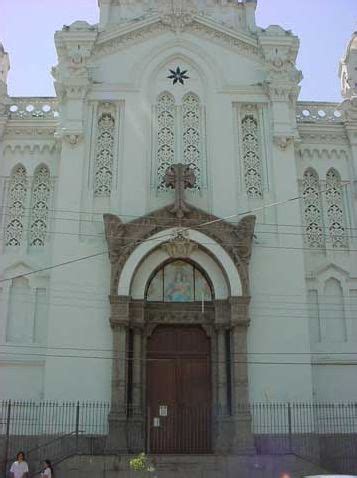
pixel 179 390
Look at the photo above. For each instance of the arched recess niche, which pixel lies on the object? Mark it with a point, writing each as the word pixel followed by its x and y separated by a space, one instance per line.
pixel 210 256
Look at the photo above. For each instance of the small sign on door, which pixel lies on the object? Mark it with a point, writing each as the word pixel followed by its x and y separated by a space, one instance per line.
pixel 163 411
pixel 156 422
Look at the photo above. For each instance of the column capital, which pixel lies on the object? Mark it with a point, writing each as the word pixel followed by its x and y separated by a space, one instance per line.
pixel 240 311
pixel 119 315
pixel 117 324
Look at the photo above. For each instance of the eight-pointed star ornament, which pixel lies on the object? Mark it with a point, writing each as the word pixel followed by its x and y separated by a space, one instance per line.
pixel 178 76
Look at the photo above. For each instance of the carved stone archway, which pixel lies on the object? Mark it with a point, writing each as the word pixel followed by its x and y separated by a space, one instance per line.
pixel 132 320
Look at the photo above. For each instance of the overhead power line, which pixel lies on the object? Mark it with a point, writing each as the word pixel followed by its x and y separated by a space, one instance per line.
pixel 161 359
pixel 182 229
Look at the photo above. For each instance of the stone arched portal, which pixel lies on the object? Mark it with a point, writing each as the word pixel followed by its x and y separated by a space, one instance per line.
pixel 225 319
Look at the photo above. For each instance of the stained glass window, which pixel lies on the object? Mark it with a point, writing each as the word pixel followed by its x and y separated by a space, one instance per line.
pixel 179 281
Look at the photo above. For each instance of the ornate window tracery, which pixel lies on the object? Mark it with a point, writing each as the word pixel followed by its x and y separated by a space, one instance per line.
pixel 335 210
pixel 103 174
pixel 15 227
pixel 178 136
pixel 251 155
pixel 179 281
pixel 166 123
pixel 191 119
pixel 314 236
pixel 41 191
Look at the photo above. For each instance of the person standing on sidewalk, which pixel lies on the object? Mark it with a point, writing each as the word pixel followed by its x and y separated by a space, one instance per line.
pixel 47 470
pixel 19 469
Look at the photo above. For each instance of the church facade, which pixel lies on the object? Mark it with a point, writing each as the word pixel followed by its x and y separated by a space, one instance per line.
pixel 178 229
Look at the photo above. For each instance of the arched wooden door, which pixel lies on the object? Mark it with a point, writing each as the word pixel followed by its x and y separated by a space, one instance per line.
pixel 179 390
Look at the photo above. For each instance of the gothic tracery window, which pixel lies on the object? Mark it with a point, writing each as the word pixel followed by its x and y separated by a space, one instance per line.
pixel 166 123
pixel 41 190
pixel 191 115
pixel 335 210
pixel 103 175
pixel 252 163
pixel 15 227
pixel 314 236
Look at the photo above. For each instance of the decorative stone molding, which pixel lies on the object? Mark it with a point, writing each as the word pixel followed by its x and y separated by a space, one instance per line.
pixel 22 130
pixel 179 246
pixel 348 71
pixel 322 137
pixel 31 147
pixel 283 141
pixel 311 153
pixel 119 310
pixel 34 108
pixel 177 22
pixel 240 311
pixel 73 138
pixel 349 107
pixel 155 25
pixel 123 238
pixel 171 313
pixel 74 46
pixel 318 112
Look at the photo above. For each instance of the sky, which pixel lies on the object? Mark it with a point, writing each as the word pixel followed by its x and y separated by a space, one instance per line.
pixel 323 26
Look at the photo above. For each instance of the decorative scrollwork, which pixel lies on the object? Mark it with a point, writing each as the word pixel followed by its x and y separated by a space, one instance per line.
pixel 103 176
pixel 335 210
pixel 14 233
pixel 312 210
pixel 252 164
pixel 191 114
pixel 165 151
pixel 41 191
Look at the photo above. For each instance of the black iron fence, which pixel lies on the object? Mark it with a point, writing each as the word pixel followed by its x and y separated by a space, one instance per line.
pixel 325 433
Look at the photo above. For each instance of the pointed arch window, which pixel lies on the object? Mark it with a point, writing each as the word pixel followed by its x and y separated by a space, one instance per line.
pixel 251 153
pixel 40 198
pixel 15 227
pixel 191 120
pixel 166 124
pixel 103 174
pixel 335 210
pixel 314 236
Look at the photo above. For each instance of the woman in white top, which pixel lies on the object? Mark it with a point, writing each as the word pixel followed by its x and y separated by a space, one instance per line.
pixel 47 470
pixel 19 469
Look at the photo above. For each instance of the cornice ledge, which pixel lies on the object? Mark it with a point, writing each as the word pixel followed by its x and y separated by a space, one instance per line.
pixel 327 359
pixel 31 146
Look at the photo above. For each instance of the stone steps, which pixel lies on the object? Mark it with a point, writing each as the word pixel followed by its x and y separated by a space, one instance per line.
pixel 189 466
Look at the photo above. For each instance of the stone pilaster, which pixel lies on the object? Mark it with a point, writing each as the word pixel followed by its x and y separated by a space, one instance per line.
pixel 243 438
pixel 119 321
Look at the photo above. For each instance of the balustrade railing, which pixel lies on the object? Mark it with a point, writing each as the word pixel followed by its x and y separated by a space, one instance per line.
pixel 310 112
pixel 33 108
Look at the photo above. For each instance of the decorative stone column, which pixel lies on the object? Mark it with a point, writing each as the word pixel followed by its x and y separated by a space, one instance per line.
pixel 137 362
pixel 243 437
pixel 136 422
pixel 119 321
pixel 222 371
